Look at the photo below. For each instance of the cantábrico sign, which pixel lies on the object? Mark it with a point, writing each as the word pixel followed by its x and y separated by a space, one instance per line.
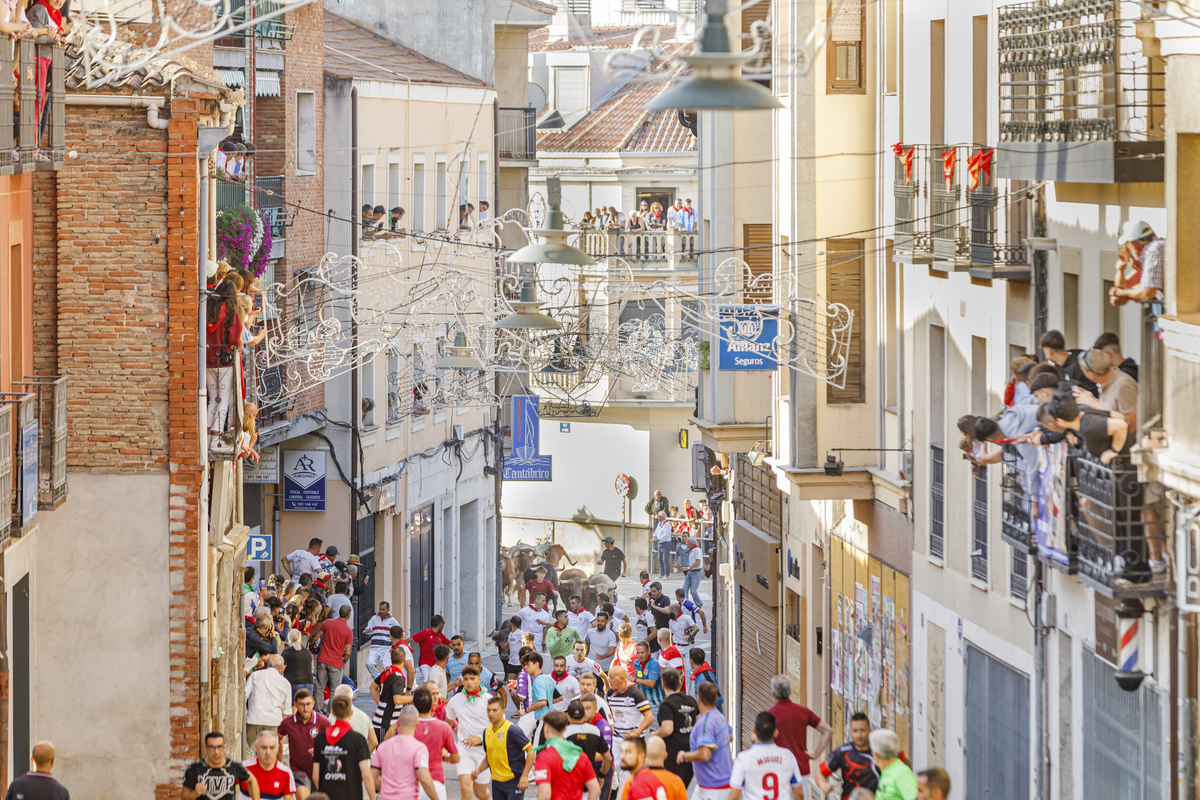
pixel 303 480
pixel 526 463
pixel 748 336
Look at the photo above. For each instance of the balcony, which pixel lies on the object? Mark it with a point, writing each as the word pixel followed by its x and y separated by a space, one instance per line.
pixel 33 451
pixel 1016 526
pixel 516 134
pixel 24 146
pixel 673 249
pixel 1080 100
pixel 953 214
pixel 1111 518
pixel 230 194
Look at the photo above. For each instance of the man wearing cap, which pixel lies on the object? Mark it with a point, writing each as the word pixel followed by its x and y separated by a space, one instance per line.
pixel 327 559
pixel 1148 253
pixel 613 560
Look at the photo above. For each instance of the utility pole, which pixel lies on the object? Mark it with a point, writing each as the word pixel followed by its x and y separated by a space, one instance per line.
pixel 1039 575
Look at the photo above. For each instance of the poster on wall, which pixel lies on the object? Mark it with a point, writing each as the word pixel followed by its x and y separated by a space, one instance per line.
pixel 303 480
pixel 835 667
pixel 1050 496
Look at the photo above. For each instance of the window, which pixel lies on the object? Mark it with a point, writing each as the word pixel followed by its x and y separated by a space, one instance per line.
pixel 937 435
pixel 394 398
pixel 393 186
pixel 418 195
pixel 979 407
pixel 979 75
pixel 570 92
pixel 485 180
pixel 757 239
pixel 440 195
pixel 891 48
pixel 366 388
pixel 792 625
pixel 306 133
pixel 845 59
pixel 1109 313
pixel 937 81
pixel 1018 579
pixel 1070 327
pixel 891 311
pixel 844 273
pixel 366 185
pixel 463 187
pixel 759 11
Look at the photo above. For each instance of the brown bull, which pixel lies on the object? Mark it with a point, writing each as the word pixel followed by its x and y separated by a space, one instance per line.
pixel 571 582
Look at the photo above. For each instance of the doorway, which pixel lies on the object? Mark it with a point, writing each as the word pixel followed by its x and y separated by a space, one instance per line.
pixel 420 567
pixel 657 194
pixel 20 671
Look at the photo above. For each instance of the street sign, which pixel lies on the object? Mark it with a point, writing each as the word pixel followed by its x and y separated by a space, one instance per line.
pixel 29 472
pixel 303 480
pixel 622 485
pixel 265 471
pixel 526 463
pixel 564 427
pixel 258 548
pixel 748 336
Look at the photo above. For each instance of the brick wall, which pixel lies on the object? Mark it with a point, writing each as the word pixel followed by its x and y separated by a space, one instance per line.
pixel 45 274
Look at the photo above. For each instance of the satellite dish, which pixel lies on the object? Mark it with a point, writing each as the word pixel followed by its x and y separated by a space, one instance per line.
pixel 537 98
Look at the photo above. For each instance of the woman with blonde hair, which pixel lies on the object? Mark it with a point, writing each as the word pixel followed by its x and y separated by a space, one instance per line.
pixel 626 648
pixel 655 222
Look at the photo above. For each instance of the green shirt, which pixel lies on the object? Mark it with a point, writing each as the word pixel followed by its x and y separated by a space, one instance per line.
pixel 897 782
pixel 561 643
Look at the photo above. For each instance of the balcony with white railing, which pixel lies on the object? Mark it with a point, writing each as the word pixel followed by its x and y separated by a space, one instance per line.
pixel 665 250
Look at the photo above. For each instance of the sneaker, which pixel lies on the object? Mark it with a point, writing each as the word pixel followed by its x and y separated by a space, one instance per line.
pixel 1157 567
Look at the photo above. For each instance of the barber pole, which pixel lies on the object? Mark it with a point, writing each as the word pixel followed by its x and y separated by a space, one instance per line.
pixel 1129 616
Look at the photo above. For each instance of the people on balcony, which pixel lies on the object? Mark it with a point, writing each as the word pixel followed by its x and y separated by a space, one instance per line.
pixel 1055 349
pixel 586 222
pixel 1017 388
pixel 1118 391
pixel 1104 435
pixel 224 339
pixel 657 219
pixel 616 219
pixel 1110 345
pixel 1140 268
pixel 636 223
pixel 687 217
pixel 47 19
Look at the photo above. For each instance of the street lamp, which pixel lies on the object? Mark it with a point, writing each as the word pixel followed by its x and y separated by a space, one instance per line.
pixel 527 315
pixel 461 355
pixel 554 250
pixel 716 83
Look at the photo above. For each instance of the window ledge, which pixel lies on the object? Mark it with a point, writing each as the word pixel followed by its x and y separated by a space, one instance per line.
pixel 980 585
pixel 394 432
pixel 937 562
pixel 304 173
pixel 1018 602
pixel 418 426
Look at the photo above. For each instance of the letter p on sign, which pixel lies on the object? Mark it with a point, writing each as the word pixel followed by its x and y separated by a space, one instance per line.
pixel 258 548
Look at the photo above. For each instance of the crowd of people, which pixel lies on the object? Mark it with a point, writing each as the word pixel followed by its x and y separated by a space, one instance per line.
pixel 235 299
pixel 648 216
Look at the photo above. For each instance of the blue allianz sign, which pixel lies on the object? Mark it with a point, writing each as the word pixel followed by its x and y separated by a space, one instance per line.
pixel 303 480
pixel 526 463
pixel 748 336
pixel 29 472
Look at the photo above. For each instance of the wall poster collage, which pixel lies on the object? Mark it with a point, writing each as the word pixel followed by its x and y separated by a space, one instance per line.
pixel 868 641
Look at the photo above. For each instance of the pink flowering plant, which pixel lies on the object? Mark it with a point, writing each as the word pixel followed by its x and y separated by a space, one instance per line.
pixel 244 239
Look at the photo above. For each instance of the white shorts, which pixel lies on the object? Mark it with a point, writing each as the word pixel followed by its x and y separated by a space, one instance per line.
pixel 470 758
pixel 710 794
pixel 441 791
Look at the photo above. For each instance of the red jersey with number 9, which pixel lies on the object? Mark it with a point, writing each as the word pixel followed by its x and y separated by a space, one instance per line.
pixel 274 783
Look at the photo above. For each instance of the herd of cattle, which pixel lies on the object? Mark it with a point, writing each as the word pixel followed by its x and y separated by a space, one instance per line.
pixel 521 561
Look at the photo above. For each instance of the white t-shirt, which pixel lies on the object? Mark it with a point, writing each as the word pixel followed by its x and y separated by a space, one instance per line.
pixel 568 687
pixel 695 559
pixel 303 563
pixel 531 619
pixel 438 675
pixel 576 668
pixel 599 643
pixel 663 531
pixel 645 622
pixel 250 602
pixel 335 603
pixel 471 713
pixel 679 626
pixel 514 648
pixel 765 772
pixel 581 621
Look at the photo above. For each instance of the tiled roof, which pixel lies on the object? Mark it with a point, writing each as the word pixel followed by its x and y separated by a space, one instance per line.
pixel 545 8
pixel 604 37
pixel 622 124
pixel 352 51
pixel 155 74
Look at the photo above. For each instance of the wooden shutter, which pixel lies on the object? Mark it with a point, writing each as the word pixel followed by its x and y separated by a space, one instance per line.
pixel 756 12
pixel 757 240
pixel 844 271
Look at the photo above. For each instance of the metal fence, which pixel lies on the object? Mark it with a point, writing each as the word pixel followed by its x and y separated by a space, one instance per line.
pixel 1015 527
pixel 979 555
pixel 516 134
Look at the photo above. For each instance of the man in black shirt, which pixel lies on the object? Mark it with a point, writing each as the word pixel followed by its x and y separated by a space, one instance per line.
pixel 613 559
pixel 676 714
pixel 1054 347
pixel 853 760
pixel 342 758
pixel 216 778
pixel 660 606
pixel 39 784
pixel 588 736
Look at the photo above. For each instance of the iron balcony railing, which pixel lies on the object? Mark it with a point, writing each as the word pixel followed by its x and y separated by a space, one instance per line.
pixel 516 134
pixel 1112 520
pixel 37 139
pixel 230 194
pixel 21 447
pixel 51 393
pixel 269 199
pixel 911 189
pixel 1016 504
pixel 979 553
pixel 937 498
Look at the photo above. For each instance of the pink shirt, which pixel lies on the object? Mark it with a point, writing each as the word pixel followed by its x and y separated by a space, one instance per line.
pixel 437 736
pixel 398 759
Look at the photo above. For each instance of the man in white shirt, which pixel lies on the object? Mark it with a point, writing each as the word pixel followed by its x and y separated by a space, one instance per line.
pixel 601 641
pixel 304 562
pixel 469 709
pixel 683 627
pixel 764 771
pixel 378 631
pixel 535 619
pixel 564 682
pixel 268 700
pixel 665 542
pixel 339 598
pixel 578 663
pixel 579 617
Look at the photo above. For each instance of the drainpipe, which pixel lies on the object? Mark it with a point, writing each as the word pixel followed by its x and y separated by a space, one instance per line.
pixel 202 538
pixel 151 104
pixel 355 413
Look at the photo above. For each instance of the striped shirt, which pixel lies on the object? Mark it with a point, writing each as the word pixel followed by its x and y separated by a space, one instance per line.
pixel 380 630
pixel 627 709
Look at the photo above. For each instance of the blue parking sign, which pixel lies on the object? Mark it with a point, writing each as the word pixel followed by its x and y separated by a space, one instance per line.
pixel 258 548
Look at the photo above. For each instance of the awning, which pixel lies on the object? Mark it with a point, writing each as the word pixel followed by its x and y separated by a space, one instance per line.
pixel 266 83
pixel 232 77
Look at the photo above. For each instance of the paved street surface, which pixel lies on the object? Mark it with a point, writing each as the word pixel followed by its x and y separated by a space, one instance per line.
pixel 627 589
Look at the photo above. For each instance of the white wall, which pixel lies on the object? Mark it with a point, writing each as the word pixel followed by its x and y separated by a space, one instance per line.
pixel 100 590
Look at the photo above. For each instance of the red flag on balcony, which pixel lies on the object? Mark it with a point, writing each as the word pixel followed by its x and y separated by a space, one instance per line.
pixel 906 158
pixel 948 160
pixel 979 163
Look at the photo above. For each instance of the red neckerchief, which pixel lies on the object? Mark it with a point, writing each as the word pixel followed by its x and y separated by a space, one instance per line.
pixel 556 678
pixel 337 730
pixel 55 14
pixel 703 668
pixel 677 616
pixel 389 672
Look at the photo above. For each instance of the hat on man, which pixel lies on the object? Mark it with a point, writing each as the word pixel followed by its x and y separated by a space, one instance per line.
pixel 1134 231
pixel 331 550
pixel 353 559
pixel 608 540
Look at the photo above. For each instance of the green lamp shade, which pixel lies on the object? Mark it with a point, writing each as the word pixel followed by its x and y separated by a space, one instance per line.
pixel 715 94
pixel 551 253
pixel 527 316
pixel 460 355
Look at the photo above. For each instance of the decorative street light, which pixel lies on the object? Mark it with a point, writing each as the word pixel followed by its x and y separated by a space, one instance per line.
pixel 461 355
pixel 554 250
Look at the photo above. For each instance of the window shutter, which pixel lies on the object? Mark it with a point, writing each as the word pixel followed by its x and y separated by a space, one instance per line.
pixel 757 240
pixel 844 274
pixel 570 90
pixel 847 26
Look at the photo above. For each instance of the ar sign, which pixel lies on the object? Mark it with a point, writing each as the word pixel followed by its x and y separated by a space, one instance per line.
pixel 747 337
pixel 258 548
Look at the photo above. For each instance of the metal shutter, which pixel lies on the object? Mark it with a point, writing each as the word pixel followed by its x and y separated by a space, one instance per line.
pixel 844 277
pixel 1123 737
pixel 997 736
pixel 757 663
pixel 570 90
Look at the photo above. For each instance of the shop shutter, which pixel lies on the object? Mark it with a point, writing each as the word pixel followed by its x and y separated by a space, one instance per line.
pixel 844 278
pixel 757 662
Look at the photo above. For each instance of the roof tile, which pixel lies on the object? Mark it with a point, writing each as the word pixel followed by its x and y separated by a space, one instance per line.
pixel 352 51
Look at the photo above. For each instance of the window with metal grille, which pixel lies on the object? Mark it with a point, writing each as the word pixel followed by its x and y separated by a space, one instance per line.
pixel 1123 737
pixel 937 433
pixel 1018 579
pixel 845 271
pixel 979 555
pixel 937 502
